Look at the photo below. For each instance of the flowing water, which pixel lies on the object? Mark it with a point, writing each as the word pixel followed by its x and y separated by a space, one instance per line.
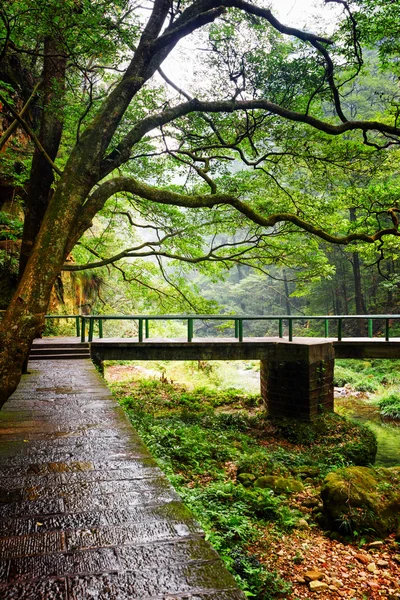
pixel 387 432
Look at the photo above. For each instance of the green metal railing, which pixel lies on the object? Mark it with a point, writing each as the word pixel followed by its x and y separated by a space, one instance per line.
pixel 87 323
pixel 238 321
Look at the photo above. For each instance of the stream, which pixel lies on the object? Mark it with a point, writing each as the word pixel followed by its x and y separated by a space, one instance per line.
pixel 387 433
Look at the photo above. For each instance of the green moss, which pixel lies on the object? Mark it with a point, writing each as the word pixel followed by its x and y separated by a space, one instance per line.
pixel 246 479
pixel 363 499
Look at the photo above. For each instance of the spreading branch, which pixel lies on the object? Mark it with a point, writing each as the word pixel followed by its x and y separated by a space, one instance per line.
pixel 160 196
pixel 122 153
pixel 237 249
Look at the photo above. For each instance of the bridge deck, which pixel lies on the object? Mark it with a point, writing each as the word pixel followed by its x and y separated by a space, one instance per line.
pixel 85 512
pixel 232 349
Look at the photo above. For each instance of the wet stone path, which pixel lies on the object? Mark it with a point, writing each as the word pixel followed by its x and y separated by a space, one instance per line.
pixel 85 513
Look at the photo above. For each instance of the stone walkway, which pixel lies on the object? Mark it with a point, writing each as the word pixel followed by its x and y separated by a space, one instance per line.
pixel 85 513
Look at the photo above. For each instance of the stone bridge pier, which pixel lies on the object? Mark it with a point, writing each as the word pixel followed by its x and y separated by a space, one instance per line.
pixel 297 380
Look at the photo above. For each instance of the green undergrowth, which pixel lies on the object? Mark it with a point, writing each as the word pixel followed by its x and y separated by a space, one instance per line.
pixel 379 377
pixel 374 375
pixel 207 440
pixel 389 406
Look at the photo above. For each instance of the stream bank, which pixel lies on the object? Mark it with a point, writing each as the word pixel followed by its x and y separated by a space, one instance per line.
pixel 387 432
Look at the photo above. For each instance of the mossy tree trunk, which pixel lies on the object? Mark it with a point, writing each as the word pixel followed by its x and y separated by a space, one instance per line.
pixel 24 318
pixel 51 127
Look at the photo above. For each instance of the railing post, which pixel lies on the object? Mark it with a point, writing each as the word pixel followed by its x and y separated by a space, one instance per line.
pixel 100 328
pixel 189 330
pixel 78 332
pixel 236 328
pixel 340 330
pixel 91 327
pixel 326 328
pixel 370 328
pixel 146 328
pixel 280 328
pixel 240 330
pixel 387 325
pixel 290 330
pixel 83 333
pixel 140 330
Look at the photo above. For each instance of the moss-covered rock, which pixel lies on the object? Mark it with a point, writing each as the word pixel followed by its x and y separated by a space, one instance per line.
pixel 306 471
pixel 362 499
pixel 246 479
pixel 280 485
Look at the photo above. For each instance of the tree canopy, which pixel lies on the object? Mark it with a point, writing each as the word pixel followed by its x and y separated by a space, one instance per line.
pixel 260 134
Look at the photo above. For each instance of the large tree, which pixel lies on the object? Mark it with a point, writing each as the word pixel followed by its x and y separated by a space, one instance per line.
pixel 268 93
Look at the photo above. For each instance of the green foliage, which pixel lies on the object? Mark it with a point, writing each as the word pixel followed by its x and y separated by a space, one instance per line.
pixel 378 24
pixel 366 375
pixel 337 439
pixel 59 327
pixel 201 436
pixel 10 231
pixel 10 227
pixel 256 581
pixel 389 406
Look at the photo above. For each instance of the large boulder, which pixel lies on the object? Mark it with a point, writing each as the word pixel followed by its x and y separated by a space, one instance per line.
pixel 362 499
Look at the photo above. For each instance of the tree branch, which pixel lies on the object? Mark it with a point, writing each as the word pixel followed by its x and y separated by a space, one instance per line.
pixel 10 130
pixel 160 196
pixel 31 134
pixel 122 153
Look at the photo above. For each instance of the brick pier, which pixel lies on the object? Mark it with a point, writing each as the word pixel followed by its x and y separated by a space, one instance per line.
pixel 297 380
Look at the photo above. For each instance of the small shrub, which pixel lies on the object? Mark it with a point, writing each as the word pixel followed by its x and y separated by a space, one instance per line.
pixel 389 406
